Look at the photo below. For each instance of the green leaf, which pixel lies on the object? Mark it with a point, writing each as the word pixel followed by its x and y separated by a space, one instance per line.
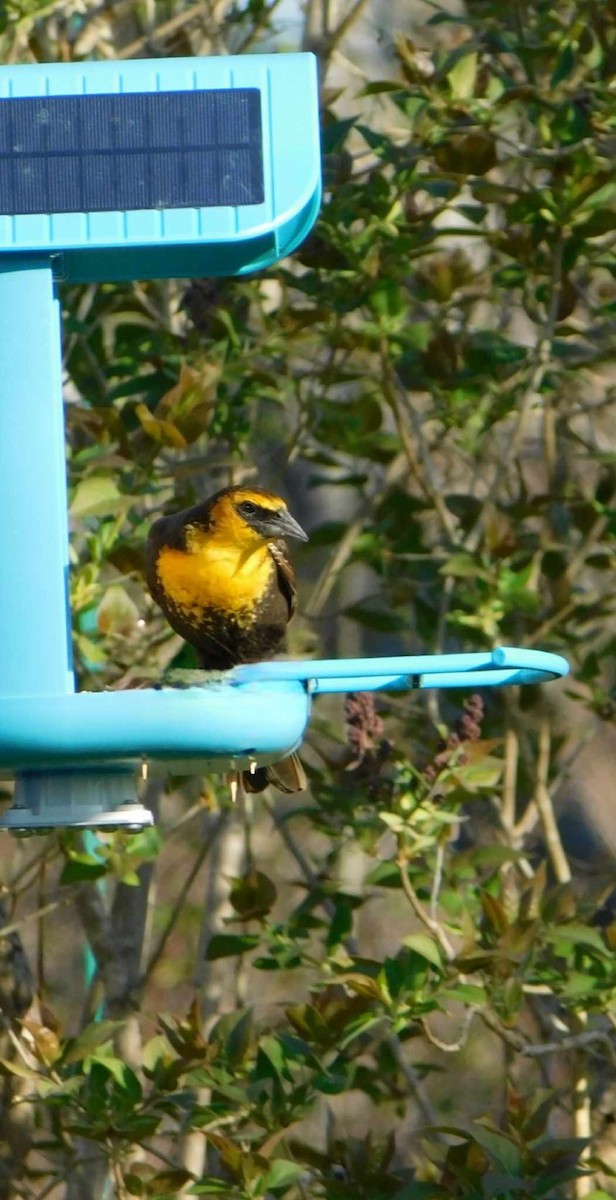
pixel 328 533
pixel 463 566
pixel 597 225
pixel 386 874
pixel 601 197
pixel 420 1190
pixel 486 773
pixel 463 76
pixel 109 1062
pixel 82 869
pixel 370 618
pixel 564 66
pixel 225 945
pixel 341 924
pixel 168 1183
pixel 211 1185
pixel 15 1067
pixel 282 1173
pixel 501 1150
pixel 577 935
pixel 425 946
pixel 381 85
pixel 95 1034
pixel 464 993
pixel 97 496
pixel 237 1030
pixel 157 1049
pixel 387 300
pixel 253 895
pixel 117 612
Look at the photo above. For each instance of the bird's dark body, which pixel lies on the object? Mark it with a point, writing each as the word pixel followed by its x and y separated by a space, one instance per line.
pixel 221 574
pixel 221 639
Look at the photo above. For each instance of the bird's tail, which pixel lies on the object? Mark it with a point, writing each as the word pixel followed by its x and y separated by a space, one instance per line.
pixel 287 776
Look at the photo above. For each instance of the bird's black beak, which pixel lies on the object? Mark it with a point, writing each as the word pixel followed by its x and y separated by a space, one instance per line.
pixel 287 526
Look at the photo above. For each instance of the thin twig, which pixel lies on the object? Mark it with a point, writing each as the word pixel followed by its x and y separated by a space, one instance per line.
pixel 336 563
pixel 329 576
pixel 582 1124
pixel 545 807
pixel 460 1042
pixel 20 882
pixel 282 827
pixel 181 897
pixel 344 25
pixel 414 1083
pixel 420 912
pixel 38 914
pixel 540 361
pixel 393 1041
pixel 574 1041
pixel 420 470
pixel 261 23
pixel 510 774
pixel 179 21
pixel 437 881
pixel 540 633
pixel 589 541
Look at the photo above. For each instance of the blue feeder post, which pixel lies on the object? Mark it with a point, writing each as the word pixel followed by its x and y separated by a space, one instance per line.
pixel 113 171
pixel 139 170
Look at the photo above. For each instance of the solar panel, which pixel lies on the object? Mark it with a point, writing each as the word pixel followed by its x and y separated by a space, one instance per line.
pixel 126 151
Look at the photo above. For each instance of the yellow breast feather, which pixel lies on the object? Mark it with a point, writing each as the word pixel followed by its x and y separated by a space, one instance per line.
pixel 216 575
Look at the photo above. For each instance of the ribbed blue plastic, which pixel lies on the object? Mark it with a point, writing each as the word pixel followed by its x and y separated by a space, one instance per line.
pixel 157 242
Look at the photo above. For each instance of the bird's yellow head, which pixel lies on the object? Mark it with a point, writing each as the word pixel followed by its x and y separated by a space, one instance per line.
pixel 250 517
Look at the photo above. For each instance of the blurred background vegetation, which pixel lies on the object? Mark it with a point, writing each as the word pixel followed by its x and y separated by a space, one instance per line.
pixel 399 986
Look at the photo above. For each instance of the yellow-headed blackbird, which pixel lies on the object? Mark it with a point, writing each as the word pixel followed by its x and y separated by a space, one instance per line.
pixel 221 574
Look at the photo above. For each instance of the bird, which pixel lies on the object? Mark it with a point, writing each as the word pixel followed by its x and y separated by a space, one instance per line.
pixel 221 574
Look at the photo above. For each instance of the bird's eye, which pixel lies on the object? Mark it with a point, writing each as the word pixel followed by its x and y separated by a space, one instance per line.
pixel 248 508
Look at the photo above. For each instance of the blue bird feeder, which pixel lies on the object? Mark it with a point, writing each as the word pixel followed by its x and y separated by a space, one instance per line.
pixel 113 171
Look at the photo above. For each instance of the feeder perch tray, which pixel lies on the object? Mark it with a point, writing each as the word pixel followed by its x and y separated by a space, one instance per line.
pixel 76 756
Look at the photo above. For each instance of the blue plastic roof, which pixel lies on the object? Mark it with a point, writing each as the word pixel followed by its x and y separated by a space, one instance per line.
pixel 165 237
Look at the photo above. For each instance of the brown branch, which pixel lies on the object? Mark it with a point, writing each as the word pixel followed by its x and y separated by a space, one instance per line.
pixel 540 362
pixel 510 775
pixel 180 900
pixel 341 30
pixel 545 807
pixel 393 1041
pixel 414 1083
pixel 421 471
pixel 582 1123
pixel 343 551
pixel 460 1042
pixel 578 558
pixel 420 912
pixel 260 25
pixel 155 36
pixel 555 619
pixel 38 914
pixel 573 1041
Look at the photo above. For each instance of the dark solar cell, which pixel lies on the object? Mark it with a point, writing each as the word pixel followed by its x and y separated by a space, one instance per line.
pixel 113 153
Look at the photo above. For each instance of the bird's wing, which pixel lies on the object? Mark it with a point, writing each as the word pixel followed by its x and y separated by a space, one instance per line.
pixel 286 575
